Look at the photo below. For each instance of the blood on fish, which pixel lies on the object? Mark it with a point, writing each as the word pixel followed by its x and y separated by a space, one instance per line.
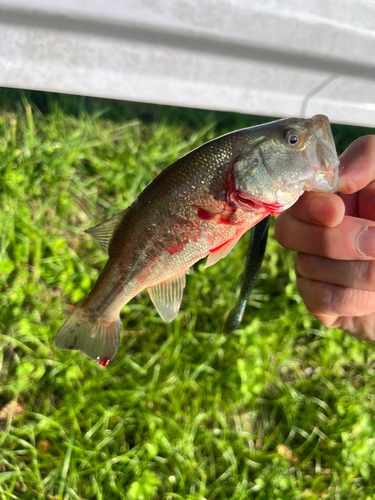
pixel 218 248
pixel 184 233
pixel 177 248
pixel 206 214
pixel 241 200
pixel 227 219
pixel 274 208
pixel 225 216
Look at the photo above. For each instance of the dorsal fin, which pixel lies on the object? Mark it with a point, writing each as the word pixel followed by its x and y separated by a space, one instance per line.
pixel 167 296
pixel 103 232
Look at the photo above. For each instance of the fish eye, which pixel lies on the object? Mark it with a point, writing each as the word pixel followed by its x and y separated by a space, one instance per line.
pixel 291 137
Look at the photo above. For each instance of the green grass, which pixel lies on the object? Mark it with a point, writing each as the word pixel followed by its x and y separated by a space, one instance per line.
pixel 283 409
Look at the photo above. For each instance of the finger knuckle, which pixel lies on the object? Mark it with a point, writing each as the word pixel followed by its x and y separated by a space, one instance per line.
pixel 353 302
pixel 319 297
pixel 364 301
pixel 329 297
pixel 366 274
pixel 306 264
pixel 326 245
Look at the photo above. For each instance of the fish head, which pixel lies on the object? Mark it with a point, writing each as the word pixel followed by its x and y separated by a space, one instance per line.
pixel 278 161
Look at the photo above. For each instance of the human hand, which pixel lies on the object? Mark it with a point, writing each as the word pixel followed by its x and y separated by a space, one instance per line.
pixel 334 237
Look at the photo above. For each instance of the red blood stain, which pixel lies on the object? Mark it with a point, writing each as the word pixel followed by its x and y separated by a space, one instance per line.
pixel 273 209
pixel 104 361
pixel 227 218
pixel 177 248
pixel 183 233
pixel 248 203
pixel 206 214
pixel 229 184
pixel 226 215
pixel 244 202
pixel 218 248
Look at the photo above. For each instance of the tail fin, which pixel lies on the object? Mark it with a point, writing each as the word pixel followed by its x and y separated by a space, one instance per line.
pixel 98 339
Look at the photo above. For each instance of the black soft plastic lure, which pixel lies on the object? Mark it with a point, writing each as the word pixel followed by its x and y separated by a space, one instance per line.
pixel 254 259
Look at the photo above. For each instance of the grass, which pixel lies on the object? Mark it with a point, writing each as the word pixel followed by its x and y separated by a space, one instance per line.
pixel 283 409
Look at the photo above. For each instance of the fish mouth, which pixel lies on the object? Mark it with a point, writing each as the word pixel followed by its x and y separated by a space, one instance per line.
pixel 326 162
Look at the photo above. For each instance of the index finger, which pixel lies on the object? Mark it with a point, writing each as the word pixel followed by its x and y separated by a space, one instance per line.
pixel 357 166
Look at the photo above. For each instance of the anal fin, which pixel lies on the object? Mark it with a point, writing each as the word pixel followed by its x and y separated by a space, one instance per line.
pixel 220 252
pixel 167 295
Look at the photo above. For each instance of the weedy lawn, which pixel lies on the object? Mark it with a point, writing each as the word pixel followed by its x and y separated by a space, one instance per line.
pixel 283 409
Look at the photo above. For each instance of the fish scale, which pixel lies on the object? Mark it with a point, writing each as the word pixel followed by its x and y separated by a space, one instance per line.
pixel 199 205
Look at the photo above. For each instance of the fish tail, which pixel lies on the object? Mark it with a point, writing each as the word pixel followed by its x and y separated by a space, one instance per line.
pixel 98 338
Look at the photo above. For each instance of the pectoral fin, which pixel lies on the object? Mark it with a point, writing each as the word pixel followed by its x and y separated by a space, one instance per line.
pixel 220 252
pixel 167 296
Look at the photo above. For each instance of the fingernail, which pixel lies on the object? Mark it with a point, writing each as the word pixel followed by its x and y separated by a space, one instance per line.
pixel 366 242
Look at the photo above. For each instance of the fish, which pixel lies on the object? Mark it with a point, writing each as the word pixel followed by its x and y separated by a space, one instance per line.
pixel 197 207
pixel 254 259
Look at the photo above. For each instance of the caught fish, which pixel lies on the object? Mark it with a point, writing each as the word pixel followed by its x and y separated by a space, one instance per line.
pixel 254 259
pixel 199 206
